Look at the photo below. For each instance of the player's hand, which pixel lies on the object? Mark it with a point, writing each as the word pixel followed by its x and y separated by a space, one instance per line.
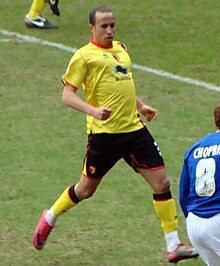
pixel 149 112
pixel 102 112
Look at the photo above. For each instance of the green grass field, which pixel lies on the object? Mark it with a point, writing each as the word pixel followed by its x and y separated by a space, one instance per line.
pixel 43 142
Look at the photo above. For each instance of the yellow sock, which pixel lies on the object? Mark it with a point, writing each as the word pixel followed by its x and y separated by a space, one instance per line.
pixel 166 211
pixel 63 203
pixel 37 8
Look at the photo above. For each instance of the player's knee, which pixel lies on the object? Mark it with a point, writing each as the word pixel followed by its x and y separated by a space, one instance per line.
pixel 86 193
pixel 163 185
pixel 166 184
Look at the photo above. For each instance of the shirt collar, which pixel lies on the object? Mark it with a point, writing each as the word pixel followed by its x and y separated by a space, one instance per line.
pixel 99 45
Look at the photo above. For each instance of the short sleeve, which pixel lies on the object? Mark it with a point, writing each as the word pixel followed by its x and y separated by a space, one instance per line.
pixel 76 71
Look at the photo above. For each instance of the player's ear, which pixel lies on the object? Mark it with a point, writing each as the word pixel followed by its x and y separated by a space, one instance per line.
pixel 91 28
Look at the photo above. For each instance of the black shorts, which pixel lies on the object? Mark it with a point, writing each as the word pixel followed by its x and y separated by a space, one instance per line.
pixel 137 148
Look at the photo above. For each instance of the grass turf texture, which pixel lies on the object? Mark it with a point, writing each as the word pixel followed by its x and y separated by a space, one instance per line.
pixel 43 142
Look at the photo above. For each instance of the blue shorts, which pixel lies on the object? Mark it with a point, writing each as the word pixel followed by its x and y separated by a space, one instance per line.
pixel 137 148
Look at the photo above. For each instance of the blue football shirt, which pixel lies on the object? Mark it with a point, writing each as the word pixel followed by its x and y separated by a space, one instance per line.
pixel 199 188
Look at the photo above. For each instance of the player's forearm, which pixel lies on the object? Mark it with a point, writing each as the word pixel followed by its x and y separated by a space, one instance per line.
pixel 139 103
pixel 70 98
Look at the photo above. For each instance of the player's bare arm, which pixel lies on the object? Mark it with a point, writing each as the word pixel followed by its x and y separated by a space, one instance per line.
pixel 71 99
pixel 147 111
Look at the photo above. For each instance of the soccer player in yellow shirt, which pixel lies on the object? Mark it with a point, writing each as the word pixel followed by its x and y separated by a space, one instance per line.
pixel 35 19
pixel 115 131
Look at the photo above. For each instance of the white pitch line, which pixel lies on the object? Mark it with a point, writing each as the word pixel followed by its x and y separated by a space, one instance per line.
pixel 168 75
pixel 11 40
pixel 31 39
pixel 161 73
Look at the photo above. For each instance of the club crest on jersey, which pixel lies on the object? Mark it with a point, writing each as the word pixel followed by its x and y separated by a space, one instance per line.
pixel 121 73
pixel 116 56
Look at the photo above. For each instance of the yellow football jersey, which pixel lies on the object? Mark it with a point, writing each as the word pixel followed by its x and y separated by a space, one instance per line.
pixel 106 78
